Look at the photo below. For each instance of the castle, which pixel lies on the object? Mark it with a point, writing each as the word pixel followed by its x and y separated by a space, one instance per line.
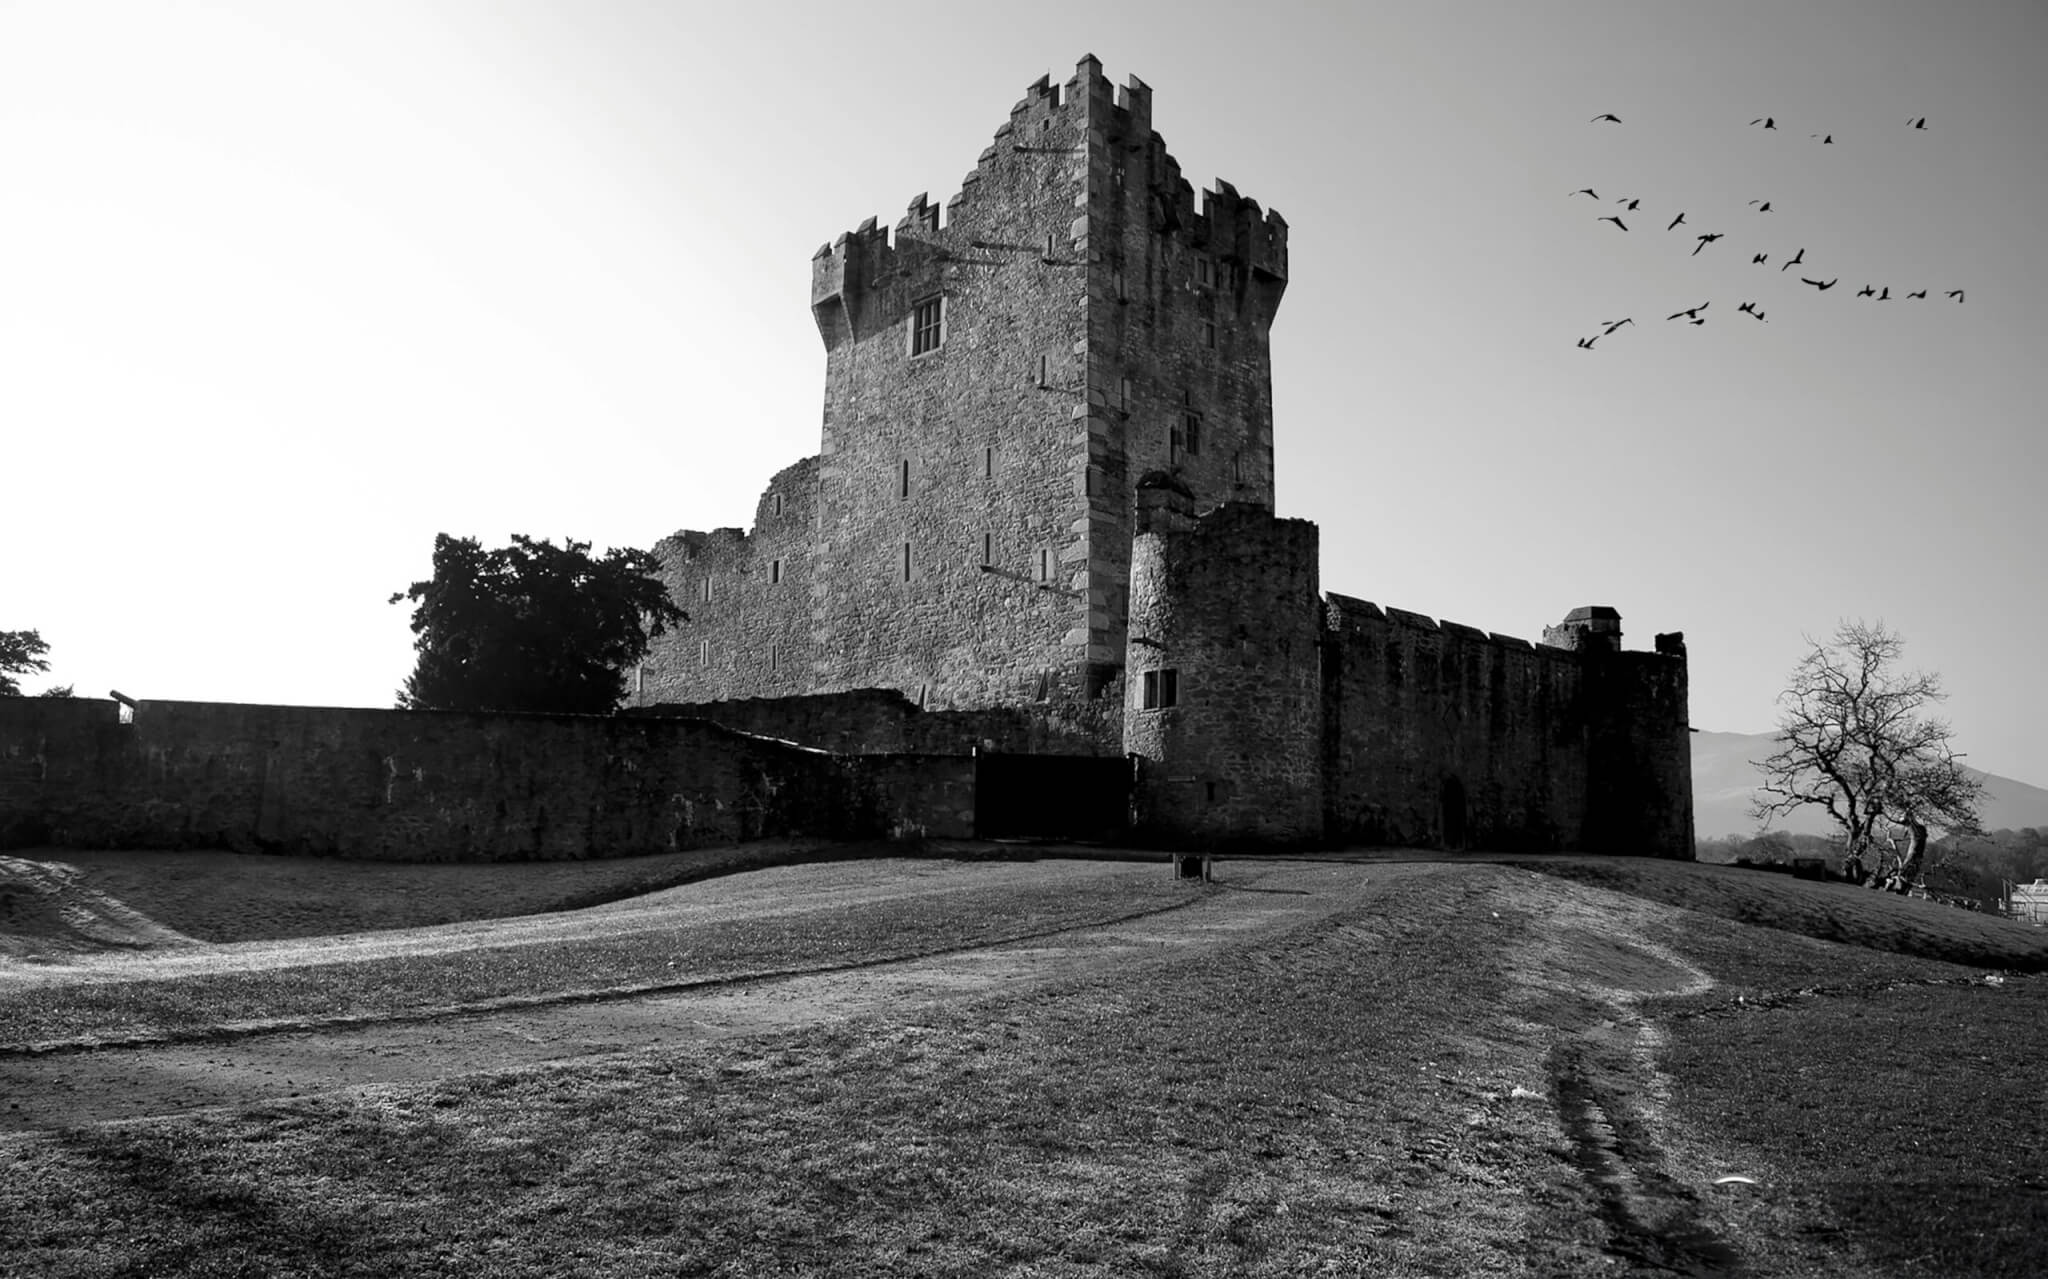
pixel 1044 501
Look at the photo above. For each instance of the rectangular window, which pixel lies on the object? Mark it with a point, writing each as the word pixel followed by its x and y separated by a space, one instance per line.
pixel 776 504
pixel 1174 446
pixel 639 677
pixel 1205 271
pixel 774 572
pixel 703 652
pixel 903 479
pixel 1044 565
pixel 1160 689
pixel 774 655
pixel 1048 245
pixel 988 463
pixel 927 325
pixel 1191 432
pixel 1209 333
pixel 988 548
pixel 906 561
pixel 704 591
pixel 1123 395
pixel 1116 284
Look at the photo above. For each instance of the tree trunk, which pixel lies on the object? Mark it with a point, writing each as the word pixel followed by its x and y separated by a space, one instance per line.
pixel 1908 872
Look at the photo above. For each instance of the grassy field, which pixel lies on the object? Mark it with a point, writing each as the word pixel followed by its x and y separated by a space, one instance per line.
pixel 1410 1069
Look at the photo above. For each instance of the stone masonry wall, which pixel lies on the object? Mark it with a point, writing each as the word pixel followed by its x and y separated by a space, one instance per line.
pixel 1230 608
pixel 435 786
pixel 1445 736
pixel 872 721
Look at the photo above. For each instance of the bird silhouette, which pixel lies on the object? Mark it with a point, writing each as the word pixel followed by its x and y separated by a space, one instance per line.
pixel 1692 313
pixel 1866 292
pixel 1818 285
pixel 1701 320
pixel 1751 308
pixel 1758 258
pixel 1920 123
pixel 1957 294
pixel 1704 241
pixel 1587 343
pixel 1827 141
pixel 1675 221
pixel 1612 325
pixel 1630 203
pixel 1586 191
pixel 1921 294
pixel 1765 203
pixel 1616 221
pixel 1885 296
pixel 1769 122
pixel 1609 116
pixel 1794 260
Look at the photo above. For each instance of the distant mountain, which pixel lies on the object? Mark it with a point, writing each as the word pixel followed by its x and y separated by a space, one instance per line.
pixel 1723 783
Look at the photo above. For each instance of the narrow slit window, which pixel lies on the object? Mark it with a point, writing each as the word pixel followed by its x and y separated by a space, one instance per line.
pixel 988 462
pixel 906 561
pixel 774 655
pixel 1045 370
pixel 1205 271
pixel 1048 245
pixel 988 548
pixel 774 572
pixel 1191 432
pixel 1123 395
pixel 703 652
pixel 1209 333
pixel 776 504
pixel 1044 564
pixel 903 479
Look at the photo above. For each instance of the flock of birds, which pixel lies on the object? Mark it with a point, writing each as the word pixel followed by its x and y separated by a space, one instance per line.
pixel 1692 315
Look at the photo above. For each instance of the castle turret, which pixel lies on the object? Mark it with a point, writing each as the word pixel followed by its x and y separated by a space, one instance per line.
pixel 1593 628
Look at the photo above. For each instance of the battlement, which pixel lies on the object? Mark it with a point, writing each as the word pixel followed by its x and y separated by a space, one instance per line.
pixel 1076 121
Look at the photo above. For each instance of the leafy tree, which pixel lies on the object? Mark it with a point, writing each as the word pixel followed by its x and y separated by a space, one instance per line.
pixel 20 653
pixel 1853 742
pixel 532 626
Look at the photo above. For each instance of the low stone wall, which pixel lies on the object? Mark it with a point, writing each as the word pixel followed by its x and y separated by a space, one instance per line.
pixel 437 786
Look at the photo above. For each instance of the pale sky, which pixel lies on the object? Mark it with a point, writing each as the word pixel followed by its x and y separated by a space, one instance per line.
pixel 286 289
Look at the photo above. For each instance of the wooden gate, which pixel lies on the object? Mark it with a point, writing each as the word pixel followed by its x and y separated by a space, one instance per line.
pixel 1078 797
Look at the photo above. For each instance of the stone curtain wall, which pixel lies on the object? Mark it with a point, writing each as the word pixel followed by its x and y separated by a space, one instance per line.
pixel 1444 736
pixel 750 598
pixel 434 786
pixel 872 721
pixel 1230 607
pixel 1643 801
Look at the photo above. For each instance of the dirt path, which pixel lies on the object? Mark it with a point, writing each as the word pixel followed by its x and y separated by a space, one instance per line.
pixel 99 1085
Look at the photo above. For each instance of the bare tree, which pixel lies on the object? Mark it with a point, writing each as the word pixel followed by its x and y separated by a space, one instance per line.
pixel 1853 741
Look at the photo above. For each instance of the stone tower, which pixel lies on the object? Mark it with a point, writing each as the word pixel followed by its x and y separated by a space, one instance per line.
pixel 999 373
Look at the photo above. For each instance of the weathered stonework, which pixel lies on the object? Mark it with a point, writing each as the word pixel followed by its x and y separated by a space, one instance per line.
pixel 1042 516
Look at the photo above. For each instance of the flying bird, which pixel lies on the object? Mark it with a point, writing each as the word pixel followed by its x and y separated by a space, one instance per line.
pixel 1818 285
pixel 1866 292
pixel 1612 325
pixel 1769 122
pixel 1587 191
pixel 1765 203
pixel 1609 116
pixel 1586 344
pixel 1693 314
pixel 1957 294
pixel 1616 221
pixel 1920 123
pixel 1885 296
pixel 1622 199
pixel 1701 320
pixel 1751 308
pixel 1705 240
pixel 1675 221
pixel 1827 141
pixel 1758 258
pixel 1921 294
pixel 1795 259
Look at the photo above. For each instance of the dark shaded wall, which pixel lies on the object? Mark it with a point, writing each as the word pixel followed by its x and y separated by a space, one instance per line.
pixel 436 786
pixel 1442 736
pixel 1228 604
pixel 871 721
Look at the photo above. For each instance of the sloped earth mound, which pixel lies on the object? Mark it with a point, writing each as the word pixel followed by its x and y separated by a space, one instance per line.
pixel 1354 1066
pixel 47 911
